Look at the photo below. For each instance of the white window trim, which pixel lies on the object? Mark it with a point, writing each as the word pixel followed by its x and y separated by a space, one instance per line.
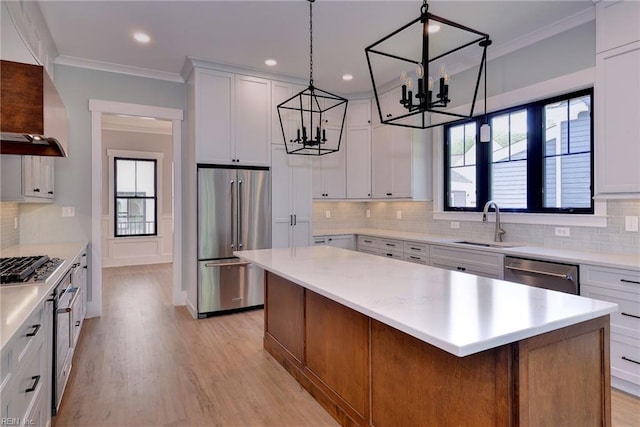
pixel 547 89
pixel 143 155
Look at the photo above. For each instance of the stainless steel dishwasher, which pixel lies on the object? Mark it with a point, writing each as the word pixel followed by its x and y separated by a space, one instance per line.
pixel 542 274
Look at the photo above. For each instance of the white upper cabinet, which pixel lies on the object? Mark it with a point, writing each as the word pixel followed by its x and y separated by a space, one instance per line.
pixel 359 113
pixel 617 132
pixel 391 171
pixel 252 121
pixel 389 105
pixel 329 170
pixel 359 162
pixel 280 92
pixel 232 118
pixel 617 24
pixel 27 179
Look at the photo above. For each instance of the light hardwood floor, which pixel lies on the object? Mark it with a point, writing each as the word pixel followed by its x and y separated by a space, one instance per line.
pixel 147 363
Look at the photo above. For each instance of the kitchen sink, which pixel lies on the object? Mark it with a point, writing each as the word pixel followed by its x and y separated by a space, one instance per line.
pixel 487 245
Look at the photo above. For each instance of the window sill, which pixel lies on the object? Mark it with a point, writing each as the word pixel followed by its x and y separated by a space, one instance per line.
pixel 597 220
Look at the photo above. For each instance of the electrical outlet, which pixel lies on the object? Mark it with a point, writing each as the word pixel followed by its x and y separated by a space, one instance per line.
pixel 563 231
pixel 327 214
pixel 368 213
pixel 68 211
pixel 631 223
pixel 455 224
pixel 398 214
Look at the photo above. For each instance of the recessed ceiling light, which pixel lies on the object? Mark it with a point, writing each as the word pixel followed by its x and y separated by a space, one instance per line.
pixel 141 37
pixel 433 28
pixel 271 62
pixel 347 77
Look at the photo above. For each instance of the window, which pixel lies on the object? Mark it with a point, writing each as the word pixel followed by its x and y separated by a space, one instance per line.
pixel 136 199
pixel 539 158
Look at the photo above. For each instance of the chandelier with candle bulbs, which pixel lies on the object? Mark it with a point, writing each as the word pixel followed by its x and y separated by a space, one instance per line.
pixel 419 96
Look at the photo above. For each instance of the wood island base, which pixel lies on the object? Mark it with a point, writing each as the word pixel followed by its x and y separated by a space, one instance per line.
pixel 364 372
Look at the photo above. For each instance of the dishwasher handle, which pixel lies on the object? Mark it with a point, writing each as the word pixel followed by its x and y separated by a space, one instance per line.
pixel 544 273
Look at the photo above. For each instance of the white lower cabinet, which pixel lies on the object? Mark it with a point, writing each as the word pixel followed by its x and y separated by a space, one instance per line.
pixel 345 241
pixel 25 390
pixel 393 248
pixel 480 263
pixel 621 287
pixel 291 203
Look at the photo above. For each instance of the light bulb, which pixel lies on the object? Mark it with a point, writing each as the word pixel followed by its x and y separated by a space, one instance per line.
pixel 403 77
pixel 420 71
pixel 443 71
pixel 409 84
pixel 430 83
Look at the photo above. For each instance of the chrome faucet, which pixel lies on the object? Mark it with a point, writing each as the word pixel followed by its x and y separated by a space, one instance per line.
pixel 499 231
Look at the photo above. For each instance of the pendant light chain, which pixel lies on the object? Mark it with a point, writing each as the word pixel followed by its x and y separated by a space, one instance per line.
pixel 311 42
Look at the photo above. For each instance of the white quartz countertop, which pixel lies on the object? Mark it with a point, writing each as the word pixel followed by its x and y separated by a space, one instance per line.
pixel 507 248
pixel 456 312
pixel 18 302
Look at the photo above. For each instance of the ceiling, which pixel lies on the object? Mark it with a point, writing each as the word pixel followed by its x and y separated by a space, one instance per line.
pixel 245 33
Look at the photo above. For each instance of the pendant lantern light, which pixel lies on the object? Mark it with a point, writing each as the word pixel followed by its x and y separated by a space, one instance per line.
pixel 312 121
pixel 422 98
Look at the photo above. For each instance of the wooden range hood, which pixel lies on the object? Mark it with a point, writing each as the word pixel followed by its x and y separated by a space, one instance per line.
pixel 33 120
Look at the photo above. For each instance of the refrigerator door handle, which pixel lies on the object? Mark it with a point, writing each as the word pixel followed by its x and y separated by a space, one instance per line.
pixel 290 219
pixel 233 243
pixel 240 195
pixel 295 219
pixel 226 264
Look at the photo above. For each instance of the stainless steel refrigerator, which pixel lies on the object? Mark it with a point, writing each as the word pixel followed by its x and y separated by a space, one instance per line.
pixel 234 213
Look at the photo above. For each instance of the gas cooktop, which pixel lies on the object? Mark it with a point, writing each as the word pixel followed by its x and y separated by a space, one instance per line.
pixel 27 269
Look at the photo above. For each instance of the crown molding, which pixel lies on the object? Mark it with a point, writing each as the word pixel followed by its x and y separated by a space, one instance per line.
pixel 191 63
pixel 118 68
pixel 129 127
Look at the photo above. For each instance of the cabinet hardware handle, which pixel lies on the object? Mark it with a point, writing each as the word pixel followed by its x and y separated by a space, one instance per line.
pixel 391 244
pixel 368 241
pixel 635 282
pixel 331 240
pixel 389 194
pixel 50 192
pixel 35 330
pixel 389 254
pixel 415 249
pixel 413 257
pixel 78 323
pixel 36 190
pixel 36 379
pixel 630 360
pixel 630 315
pixel 369 195
pixel 461 269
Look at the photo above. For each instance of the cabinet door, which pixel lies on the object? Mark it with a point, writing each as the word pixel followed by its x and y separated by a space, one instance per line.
pixel 617 24
pixel 281 190
pixel 280 92
pixel 359 163
pixel 617 129
pixel 333 168
pixel 47 176
pixel 31 176
pixel 381 163
pixel 317 189
pixel 214 121
pixel 359 113
pixel 252 121
pixel 401 161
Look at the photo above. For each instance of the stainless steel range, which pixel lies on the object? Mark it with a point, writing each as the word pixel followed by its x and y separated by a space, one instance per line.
pixel 27 269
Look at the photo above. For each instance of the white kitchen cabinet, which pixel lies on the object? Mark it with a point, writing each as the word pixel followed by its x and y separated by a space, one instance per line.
pixel 232 118
pixel 26 370
pixel 358 165
pixel 622 287
pixel 359 113
pixel 291 205
pixel 389 105
pixel 392 162
pixel 617 24
pixel 481 263
pixel 280 92
pixel 345 241
pixel 27 179
pixel 616 120
pixel 329 170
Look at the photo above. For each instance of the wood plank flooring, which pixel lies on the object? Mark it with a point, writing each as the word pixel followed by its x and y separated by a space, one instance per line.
pixel 147 363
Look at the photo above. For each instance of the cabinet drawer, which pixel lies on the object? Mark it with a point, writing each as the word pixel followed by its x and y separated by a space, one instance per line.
pixel 463 267
pixel 390 254
pixel 31 331
pixel 625 358
pixel 483 258
pixel 626 320
pixel 368 242
pixel 418 259
pixel 391 245
pixel 414 248
pixel 27 385
pixel 368 251
pixel 616 278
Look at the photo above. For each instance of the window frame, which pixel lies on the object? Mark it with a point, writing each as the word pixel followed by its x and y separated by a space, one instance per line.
pixel 535 156
pixel 129 198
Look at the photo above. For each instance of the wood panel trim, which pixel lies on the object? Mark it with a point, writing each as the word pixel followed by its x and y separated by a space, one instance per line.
pixel 22 98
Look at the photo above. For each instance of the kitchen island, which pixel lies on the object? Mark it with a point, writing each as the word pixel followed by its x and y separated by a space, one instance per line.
pixel 381 342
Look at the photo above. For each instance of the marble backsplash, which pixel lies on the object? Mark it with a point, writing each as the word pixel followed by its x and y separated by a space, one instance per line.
pixel 418 217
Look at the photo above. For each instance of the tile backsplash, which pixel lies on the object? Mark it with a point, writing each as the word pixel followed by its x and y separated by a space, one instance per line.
pixel 9 233
pixel 418 217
